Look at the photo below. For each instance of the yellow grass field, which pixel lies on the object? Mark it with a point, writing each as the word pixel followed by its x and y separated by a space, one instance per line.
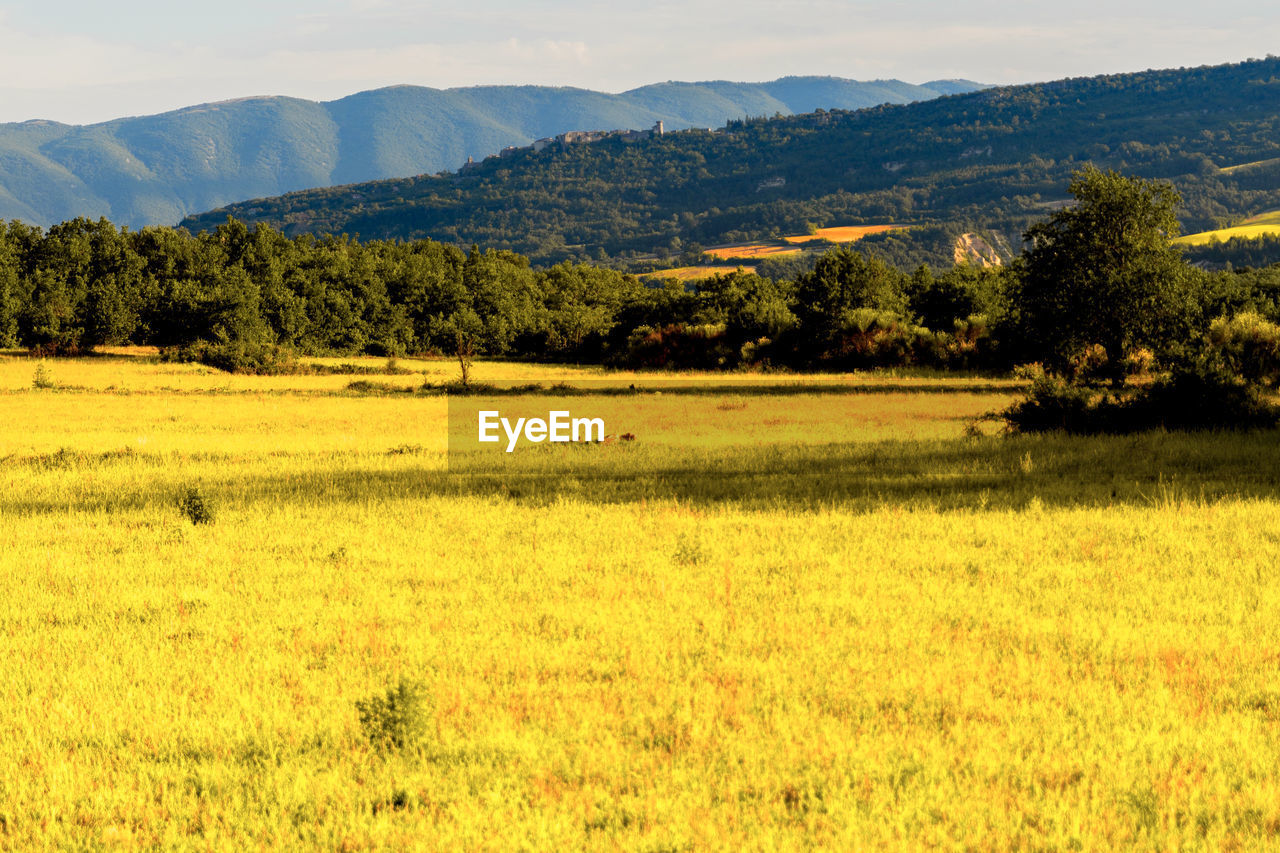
pixel 829 616
pixel 1255 226
pixel 754 250
pixel 842 234
pixel 1244 166
pixel 691 273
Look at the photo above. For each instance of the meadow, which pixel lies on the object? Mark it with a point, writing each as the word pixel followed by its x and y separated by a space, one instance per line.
pixel 1255 226
pixel 835 615
pixel 771 249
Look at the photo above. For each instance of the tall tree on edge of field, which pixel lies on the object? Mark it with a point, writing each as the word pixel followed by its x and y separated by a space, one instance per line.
pixel 1104 272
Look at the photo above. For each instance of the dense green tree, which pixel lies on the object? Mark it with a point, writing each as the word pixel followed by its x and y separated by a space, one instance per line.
pixel 425 278
pixel 1103 272
pixel 48 319
pixel 98 279
pixel 960 292
pixel 750 306
pixel 506 296
pixel 842 282
pixel 12 294
pixel 582 304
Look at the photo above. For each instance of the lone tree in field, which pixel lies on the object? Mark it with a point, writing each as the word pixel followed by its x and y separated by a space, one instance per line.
pixel 1104 272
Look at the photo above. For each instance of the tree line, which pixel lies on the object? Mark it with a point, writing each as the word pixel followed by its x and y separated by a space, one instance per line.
pixel 83 284
pixel 1100 283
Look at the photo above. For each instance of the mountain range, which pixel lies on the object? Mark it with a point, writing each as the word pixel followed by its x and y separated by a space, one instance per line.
pixel 158 169
pixel 998 159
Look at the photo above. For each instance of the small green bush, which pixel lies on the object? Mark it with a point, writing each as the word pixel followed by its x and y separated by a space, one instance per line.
pixel 1202 395
pixel 43 378
pixel 1206 395
pixel 1053 404
pixel 1249 346
pixel 239 357
pixel 196 506
pixel 396 719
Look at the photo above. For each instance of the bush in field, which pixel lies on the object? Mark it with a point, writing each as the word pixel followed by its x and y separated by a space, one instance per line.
pixel 969 344
pixel 42 380
pixel 871 338
pixel 1052 403
pixel 396 719
pixel 1202 395
pixel 1205 395
pixel 238 357
pixel 680 345
pixel 1249 346
pixel 196 506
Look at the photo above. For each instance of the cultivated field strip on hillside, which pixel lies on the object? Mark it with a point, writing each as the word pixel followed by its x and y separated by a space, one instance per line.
pixel 1255 226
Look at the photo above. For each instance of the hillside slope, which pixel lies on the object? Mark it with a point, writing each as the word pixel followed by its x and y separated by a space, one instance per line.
pixel 157 169
pixel 993 158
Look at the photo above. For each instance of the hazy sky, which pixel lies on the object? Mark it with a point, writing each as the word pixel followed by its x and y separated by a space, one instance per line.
pixel 86 60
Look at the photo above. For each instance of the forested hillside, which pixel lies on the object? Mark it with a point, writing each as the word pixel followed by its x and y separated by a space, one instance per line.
pixel 157 169
pixel 997 158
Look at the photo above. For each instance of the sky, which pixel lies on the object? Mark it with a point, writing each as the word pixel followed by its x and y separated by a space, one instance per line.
pixel 83 61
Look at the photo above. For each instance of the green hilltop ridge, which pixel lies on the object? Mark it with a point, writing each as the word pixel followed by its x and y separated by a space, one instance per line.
pixel 158 169
pixel 997 159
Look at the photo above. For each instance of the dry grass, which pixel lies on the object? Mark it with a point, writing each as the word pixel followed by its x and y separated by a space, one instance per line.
pixel 850 627
pixel 1245 166
pixel 842 234
pixel 755 251
pixel 1255 226
pixel 752 250
pixel 692 273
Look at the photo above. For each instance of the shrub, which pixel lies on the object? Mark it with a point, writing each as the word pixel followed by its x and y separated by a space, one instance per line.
pixel 1139 363
pixel 1033 370
pixel 1051 404
pixel 396 719
pixel 1203 395
pixel 1089 364
pixel 238 357
pixel 870 338
pixel 56 349
pixel 968 345
pixel 43 378
pixel 1206 395
pixel 679 345
pixel 756 353
pixel 1249 346
pixel 196 506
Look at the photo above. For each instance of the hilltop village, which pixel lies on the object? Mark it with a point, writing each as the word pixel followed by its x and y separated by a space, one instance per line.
pixel 575 137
